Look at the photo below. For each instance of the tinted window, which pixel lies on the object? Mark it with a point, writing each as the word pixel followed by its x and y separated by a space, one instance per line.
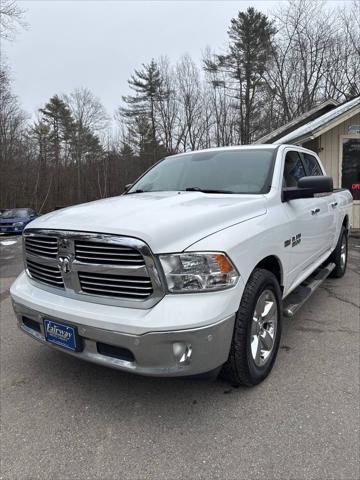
pixel 311 165
pixel 233 171
pixel 293 169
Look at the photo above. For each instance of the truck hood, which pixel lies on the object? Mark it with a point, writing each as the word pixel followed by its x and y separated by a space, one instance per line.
pixel 166 221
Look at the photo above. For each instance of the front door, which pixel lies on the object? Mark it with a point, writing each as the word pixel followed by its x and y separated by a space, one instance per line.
pixel 309 220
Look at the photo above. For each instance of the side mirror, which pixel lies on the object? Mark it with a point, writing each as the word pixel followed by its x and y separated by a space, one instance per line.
pixel 127 187
pixel 307 187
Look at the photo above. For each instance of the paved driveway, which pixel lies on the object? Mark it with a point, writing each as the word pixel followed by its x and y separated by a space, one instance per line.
pixel 66 419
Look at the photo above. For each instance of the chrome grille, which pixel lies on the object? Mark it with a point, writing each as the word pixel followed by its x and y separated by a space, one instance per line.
pixel 45 273
pixel 42 246
pixel 115 285
pixel 107 269
pixel 107 253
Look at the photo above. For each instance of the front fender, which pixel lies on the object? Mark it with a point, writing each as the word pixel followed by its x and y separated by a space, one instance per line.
pixel 248 243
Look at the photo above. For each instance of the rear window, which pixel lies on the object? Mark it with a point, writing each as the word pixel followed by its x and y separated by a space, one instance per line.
pixel 293 169
pixel 311 165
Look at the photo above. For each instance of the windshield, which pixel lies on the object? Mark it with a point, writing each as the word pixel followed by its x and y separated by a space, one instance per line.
pixel 16 212
pixel 232 171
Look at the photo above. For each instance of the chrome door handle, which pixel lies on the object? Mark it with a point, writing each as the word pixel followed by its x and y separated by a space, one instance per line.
pixel 334 204
pixel 314 211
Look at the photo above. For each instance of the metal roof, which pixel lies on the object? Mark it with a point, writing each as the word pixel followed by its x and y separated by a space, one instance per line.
pixel 315 112
pixel 321 124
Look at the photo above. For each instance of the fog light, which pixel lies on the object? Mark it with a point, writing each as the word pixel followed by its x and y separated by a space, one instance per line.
pixel 182 352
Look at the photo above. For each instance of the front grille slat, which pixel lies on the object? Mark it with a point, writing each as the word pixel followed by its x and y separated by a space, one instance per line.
pixel 102 246
pixel 46 268
pixel 121 293
pixel 42 239
pixel 81 251
pixel 41 272
pixel 107 253
pixel 87 277
pixel 85 259
pixel 50 275
pixel 116 285
pixel 56 283
pixel 42 246
pixel 41 252
pixel 42 243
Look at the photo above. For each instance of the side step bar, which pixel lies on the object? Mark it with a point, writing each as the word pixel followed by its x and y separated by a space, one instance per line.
pixel 298 297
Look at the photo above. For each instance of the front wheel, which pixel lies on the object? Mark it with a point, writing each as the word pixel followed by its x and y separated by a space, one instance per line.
pixel 257 331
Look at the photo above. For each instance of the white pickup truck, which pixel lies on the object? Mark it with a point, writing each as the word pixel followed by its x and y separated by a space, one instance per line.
pixel 190 270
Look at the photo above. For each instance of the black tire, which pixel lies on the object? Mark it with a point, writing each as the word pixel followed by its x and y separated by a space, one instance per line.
pixel 336 256
pixel 240 368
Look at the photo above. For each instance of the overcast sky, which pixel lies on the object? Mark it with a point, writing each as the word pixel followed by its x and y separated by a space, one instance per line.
pixel 98 44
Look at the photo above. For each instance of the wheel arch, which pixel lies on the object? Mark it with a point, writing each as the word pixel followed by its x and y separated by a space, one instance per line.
pixel 345 222
pixel 273 264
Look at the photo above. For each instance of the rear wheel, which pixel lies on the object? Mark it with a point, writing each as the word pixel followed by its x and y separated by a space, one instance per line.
pixel 340 255
pixel 257 331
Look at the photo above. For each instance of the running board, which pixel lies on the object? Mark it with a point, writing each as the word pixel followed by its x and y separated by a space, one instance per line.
pixel 298 297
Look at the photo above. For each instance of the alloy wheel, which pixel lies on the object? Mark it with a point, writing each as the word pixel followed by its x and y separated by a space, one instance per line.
pixel 264 328
pixel 343 253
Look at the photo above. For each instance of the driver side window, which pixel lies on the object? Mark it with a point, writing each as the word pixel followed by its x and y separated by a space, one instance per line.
pixel 293 169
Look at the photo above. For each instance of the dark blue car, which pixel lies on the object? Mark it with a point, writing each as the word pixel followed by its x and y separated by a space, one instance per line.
pixel 15 219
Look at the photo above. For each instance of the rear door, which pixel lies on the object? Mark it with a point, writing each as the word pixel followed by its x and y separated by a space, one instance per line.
pixel 327 204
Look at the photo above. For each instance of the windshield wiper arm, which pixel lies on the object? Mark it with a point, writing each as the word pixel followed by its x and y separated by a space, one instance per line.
pixel 206 190
pixel 135 191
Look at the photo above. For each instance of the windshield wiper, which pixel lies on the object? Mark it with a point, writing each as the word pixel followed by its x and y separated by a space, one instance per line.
pixel 206 190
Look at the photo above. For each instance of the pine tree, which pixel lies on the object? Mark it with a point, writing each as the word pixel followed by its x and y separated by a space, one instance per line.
pixel 57 117
pixel 250 34
pixel 141 108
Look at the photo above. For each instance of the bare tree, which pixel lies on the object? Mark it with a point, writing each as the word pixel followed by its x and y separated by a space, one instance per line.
pixel 12 132
pixel 87 110
pixel 342 76
pixel 300 55
pixel 11 18
pixel 167 107
pixel 190 102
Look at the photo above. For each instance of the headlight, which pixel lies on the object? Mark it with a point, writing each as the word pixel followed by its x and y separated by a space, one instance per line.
pixel 18 224
pixel 198 272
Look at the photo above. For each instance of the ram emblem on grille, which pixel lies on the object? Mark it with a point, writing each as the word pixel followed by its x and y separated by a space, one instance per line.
pixel 65 264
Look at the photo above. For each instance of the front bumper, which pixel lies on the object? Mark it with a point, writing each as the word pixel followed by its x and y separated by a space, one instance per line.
pixel 153 353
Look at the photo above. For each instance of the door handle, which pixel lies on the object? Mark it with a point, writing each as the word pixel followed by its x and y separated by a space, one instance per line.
pixel 334 204
pixel 314 211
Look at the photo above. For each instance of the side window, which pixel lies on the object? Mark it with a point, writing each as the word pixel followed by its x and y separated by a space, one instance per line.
pixel 293 169
pixel 311 165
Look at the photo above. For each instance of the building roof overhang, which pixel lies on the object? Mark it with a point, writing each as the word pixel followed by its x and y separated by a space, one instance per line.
pixel 320 125
pixel 315 112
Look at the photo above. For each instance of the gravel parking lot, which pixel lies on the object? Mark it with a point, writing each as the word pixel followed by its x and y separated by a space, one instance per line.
pixel 66 419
